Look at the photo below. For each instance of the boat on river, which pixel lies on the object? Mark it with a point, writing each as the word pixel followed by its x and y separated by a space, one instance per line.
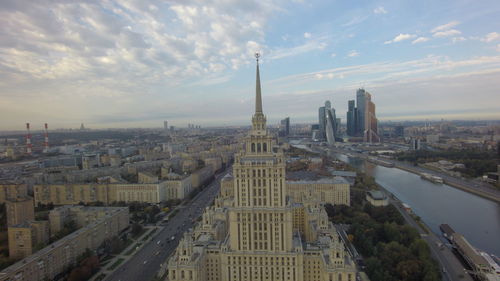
pixel 431 178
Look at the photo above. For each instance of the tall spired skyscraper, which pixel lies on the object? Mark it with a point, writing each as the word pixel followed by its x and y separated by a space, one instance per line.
pixel 254 231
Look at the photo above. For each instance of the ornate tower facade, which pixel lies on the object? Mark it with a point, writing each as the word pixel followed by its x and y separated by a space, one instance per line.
pixel 261 219
pixel 256 232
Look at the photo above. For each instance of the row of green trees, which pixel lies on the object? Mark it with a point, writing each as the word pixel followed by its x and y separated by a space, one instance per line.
pixel 476 162
pixel 87 265
pixel 393 250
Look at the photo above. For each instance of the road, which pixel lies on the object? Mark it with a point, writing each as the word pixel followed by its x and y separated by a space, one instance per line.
pixel 145 263
pixel 453 268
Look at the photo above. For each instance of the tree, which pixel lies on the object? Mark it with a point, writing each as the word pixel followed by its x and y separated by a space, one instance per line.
pixel 420 249
pixel 136 229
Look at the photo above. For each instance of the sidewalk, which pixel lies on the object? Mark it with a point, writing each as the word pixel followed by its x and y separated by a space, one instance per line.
pixel 126 254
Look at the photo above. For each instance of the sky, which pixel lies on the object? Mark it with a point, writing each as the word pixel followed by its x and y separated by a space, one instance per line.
pixel 136 63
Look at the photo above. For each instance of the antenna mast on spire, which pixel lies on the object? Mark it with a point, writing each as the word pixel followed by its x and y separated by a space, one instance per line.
pixel 258 95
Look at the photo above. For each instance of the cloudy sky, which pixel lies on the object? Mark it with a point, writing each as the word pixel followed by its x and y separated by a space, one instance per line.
pixel 136 63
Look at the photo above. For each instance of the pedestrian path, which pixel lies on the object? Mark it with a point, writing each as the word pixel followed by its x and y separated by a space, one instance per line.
pixel 137 243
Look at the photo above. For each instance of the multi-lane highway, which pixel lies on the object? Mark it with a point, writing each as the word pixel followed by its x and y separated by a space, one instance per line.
pixel 146 262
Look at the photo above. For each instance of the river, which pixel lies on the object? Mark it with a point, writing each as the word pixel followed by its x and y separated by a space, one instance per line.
pixel 478 219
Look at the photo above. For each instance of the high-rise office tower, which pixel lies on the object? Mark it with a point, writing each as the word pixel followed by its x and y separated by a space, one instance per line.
pixel 323 113
pixel 322 122
pixel 337 127
pixel 284 129
pixel 351 120
pixel 256 232
pixel 328 104
pixel 361 109
pixel 165 125
pixel 366 123
pixel 371 122
pixel 330 126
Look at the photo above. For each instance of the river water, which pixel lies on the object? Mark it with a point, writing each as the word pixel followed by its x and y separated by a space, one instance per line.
pixel 476 218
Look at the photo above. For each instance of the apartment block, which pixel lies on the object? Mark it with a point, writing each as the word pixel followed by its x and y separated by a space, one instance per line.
pixel 19 210
pixel 56 257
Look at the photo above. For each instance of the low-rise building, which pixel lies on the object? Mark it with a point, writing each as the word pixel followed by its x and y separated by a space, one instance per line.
pixel 177 187
pixel 145 192
pixel 145 177
pixel 227 186
pixel 202 176
pixel 189 165
pixel 377 198
pixel 72 194
pixel 333 191
pixel 215 162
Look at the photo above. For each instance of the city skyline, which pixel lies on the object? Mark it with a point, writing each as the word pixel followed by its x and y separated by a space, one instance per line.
pixel 135 64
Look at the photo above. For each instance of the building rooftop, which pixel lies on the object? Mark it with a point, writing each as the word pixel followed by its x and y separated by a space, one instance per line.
pixel 335 180
pixel 343 173
pixel 468 250
pixel 376 194
pixel 24 224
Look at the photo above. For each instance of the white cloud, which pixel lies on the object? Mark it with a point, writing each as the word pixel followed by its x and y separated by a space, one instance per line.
pixel 333 55
pixel 353 53
pixel 401 37
pixel 126 51
pixel 380 10
pixel 420 40
pixel 458 39
pixel 490 37
pixel 446 33
pixel 498 48
pixel 445 26
pixel 355 21
pixel 389 71
pixel 309 46
pixel 307 35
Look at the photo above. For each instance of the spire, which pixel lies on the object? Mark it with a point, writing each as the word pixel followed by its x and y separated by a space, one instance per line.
pixel 258 97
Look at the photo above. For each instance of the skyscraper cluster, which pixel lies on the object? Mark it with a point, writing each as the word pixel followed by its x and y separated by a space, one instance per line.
pixel 361 120
pixel 329 124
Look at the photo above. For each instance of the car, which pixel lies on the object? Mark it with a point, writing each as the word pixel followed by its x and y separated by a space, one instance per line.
pixel 145 262
pixel 159 241
pixel 172 238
